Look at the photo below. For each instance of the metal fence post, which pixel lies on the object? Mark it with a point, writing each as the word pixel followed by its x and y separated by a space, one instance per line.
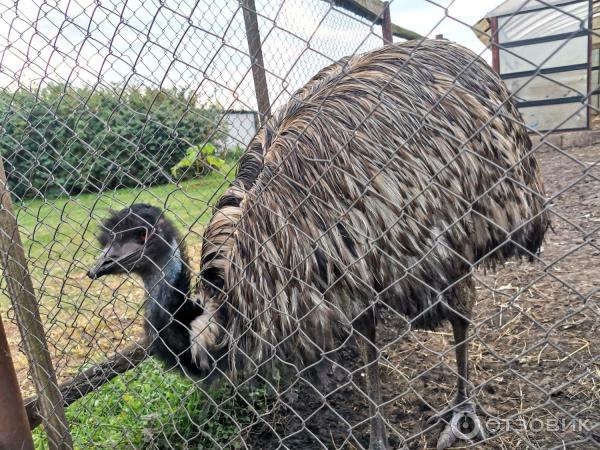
pixel 256 59
pixel 20 288
pixel 386 24
pixel 14 426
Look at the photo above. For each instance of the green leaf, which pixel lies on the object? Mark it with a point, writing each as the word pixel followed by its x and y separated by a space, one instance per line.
pixel 199 159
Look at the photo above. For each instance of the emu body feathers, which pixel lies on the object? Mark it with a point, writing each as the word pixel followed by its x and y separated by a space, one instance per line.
pixel 387 178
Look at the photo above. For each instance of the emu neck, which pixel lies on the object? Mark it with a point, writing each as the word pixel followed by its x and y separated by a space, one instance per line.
pixel 168 283
pixel 170 312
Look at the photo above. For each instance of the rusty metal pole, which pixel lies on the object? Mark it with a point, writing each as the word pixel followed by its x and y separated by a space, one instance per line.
pixel 256 59
pixel 20 289
pixel 14 426
pixel 386 24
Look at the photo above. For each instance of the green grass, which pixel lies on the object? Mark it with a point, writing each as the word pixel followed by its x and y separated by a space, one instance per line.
pixel 148 408
pixel 87 321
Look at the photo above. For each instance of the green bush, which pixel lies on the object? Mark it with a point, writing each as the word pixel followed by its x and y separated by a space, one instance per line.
pixel 198 161
pixel 61 140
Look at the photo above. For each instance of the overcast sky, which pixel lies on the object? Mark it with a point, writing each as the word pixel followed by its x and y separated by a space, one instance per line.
pixel 200 43
pixel 429 18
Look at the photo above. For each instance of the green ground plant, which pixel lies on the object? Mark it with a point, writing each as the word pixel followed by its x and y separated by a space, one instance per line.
pixel 197 162
pixel 148 408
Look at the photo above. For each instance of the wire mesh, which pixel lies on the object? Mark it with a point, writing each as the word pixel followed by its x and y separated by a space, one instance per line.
pixel 106 105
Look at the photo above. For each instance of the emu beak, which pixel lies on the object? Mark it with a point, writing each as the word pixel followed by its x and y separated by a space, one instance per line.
pixel 112 262
pixel 101 267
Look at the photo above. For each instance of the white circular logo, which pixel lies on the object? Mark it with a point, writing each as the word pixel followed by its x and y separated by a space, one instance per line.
pixel 465 426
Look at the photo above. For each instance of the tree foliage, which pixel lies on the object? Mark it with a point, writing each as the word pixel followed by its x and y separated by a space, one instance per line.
pixel 60 140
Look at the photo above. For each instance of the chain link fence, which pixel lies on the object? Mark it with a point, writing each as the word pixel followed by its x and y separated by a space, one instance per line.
pixel 104 105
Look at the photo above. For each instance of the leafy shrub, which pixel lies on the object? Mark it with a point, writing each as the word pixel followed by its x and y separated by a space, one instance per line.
pixel 198 161
pixel 62 140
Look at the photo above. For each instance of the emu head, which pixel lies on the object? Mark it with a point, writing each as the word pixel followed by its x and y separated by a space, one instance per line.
pixel 137 239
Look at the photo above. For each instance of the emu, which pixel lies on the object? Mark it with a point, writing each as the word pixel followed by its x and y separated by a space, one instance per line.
pixel 382 183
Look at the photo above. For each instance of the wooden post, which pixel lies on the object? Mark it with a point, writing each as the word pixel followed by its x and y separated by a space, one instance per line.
pixel 14 427
pixel 20 288
pixel 256 59
pixel 386 24
pixel 494 44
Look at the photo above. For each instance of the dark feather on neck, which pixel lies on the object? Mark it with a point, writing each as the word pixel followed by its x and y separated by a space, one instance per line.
pixel 170 311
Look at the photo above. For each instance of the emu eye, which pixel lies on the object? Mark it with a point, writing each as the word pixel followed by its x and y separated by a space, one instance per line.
pixel 142 237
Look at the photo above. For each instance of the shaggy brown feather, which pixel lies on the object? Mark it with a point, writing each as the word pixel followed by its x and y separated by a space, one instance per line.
pixel 387 178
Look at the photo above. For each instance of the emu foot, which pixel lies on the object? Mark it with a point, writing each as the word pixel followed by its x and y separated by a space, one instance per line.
pixel 461 423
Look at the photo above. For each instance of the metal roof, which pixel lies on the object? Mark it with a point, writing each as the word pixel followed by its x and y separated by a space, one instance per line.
pixel 546 19
pixel 514 6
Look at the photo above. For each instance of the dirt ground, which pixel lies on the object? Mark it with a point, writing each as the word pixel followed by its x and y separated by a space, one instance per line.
pixel 534 356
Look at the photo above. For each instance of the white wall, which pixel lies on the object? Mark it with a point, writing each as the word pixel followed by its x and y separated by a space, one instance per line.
pixel 241 128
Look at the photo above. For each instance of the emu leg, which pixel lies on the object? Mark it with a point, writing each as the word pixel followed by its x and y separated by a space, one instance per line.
pixel 460 328
pixel 378 439
pixel 463 423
